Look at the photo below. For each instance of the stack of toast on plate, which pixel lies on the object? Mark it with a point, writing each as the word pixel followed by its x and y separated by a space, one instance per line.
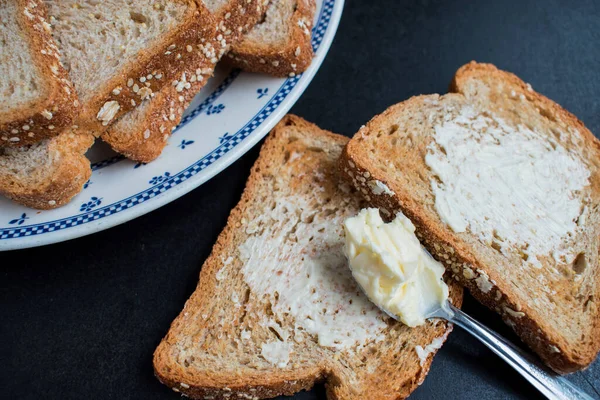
pixel 501 184
pixel 124 73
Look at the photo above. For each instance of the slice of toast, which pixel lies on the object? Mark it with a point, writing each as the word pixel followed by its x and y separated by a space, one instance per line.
pixel 280 45
pixel 46 174
pixel 503 185
pixel 37 99
pixel 276 309
pixel 142 134
pixel 120 53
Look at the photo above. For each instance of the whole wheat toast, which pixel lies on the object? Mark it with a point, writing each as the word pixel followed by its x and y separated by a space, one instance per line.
pixel 142 133
pixel 280 45
pixel 119 54
pixel 535 264
pixel 37 100
pixel 46 174
pixel 276 309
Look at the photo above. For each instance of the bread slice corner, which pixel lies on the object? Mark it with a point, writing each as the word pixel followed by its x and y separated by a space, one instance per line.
pixel 549 299
pixel 482 81
pixel 47 174
pixel 276 309
pixel 279 45
pixel 37 100
pixel 142 134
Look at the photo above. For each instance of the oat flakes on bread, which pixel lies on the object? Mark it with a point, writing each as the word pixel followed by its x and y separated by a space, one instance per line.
pixel 280 45
pixel 120 53
pixel 276 309
pixel 142 134
pixel 503 186
pixel 46 174
pixel 37 100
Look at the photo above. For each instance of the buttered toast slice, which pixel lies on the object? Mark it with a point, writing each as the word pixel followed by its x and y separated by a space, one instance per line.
pixel 280 44
pixel 37 100
pixel 503 186
pixel 276 309
pixel 142 134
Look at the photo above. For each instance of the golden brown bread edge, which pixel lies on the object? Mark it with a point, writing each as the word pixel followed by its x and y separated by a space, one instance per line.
pixel 238 17
pixel 46 117
pixel 293 58
pixel 475 69
pixel 147 141
pixel 66 181
pixel 164 63
pixel 265 385
pixel 441 245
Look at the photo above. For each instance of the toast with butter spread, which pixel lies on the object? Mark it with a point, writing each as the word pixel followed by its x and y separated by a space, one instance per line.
pixel 276 309
pixel 503 186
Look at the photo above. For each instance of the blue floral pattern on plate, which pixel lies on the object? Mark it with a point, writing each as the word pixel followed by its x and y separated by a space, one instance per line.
pixel 159 179
pixel 20 220
pixel 214 109
pixel 90 205
pixel 225 137
pixel 184 143
pixel 262 92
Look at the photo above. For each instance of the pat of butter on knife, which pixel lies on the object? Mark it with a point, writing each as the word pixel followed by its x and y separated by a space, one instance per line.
pixel 389 263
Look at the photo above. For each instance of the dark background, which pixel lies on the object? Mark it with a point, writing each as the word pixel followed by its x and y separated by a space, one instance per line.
pixel 80 320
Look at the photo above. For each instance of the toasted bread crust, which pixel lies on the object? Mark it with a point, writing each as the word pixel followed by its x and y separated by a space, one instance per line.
pixel 49 115
pixel 238 17
pixel 474 69
pixel 71 173
pixel 146 142
pixel 164 62
pixel 293 58
pixel 466 268
pixel 267 384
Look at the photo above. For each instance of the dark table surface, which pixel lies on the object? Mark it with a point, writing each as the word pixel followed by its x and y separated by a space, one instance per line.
pixel 80 320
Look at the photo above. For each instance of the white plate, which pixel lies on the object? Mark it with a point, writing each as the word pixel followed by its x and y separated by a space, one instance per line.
pixel 231 114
